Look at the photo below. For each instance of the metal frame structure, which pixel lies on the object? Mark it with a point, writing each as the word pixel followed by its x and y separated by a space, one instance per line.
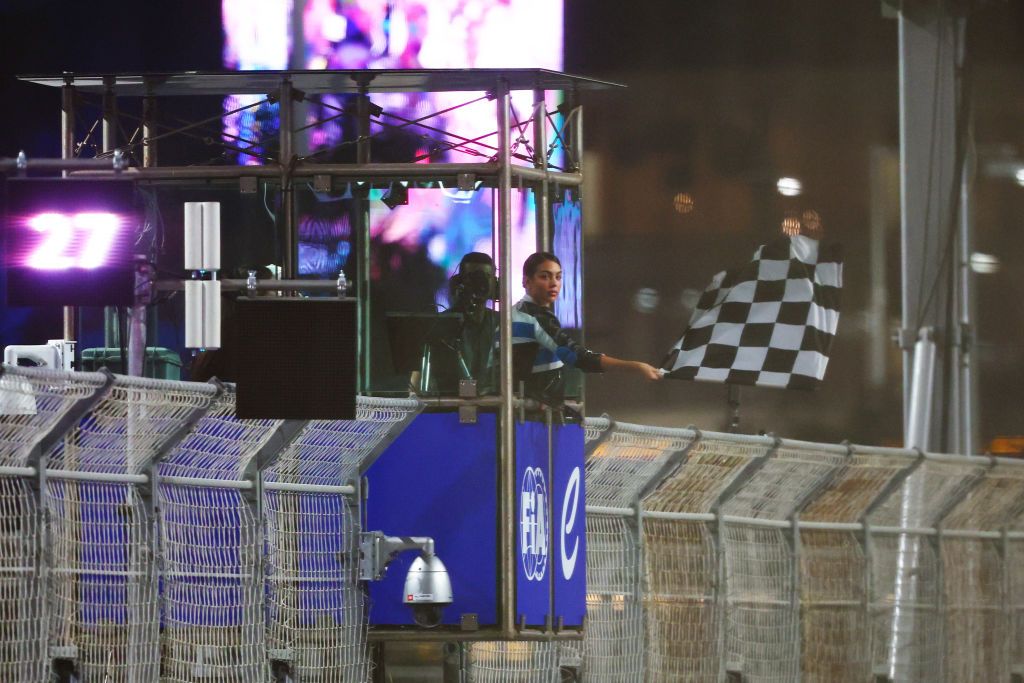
pixel 502 165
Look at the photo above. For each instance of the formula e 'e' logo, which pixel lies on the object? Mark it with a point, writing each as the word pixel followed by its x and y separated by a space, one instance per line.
pixel 570 505
pixel 533 524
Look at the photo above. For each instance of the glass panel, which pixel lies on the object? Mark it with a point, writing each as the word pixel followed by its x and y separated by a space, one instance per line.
pixel 415 252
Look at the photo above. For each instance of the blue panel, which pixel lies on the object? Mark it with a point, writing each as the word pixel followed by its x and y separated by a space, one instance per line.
pixel 533 538
pixel 569 551
pixel 439 479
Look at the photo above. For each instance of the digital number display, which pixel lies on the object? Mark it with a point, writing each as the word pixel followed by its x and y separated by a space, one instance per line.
pixel 81 240
pixel 68 241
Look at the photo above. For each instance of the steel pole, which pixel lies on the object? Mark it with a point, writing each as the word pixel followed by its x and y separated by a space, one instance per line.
pixel 506 455
pixel 576 110
pixel 111 327
pixel 287 196
pixel 138 324
pixel 931 43
pixel 149 149
pixel 361 230
pixel 912 505
pixel 67 151
pixel 297 62
pixel 542 196
pixel 922 392
pixel 968 385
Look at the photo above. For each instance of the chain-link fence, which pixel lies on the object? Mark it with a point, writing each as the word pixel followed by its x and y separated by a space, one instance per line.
pixel 148 534
pixel 773 560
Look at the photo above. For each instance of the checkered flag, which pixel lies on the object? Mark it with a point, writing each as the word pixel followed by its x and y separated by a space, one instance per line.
pixel 769 323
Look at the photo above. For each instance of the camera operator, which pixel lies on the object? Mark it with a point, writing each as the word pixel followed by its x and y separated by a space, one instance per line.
pixel 471 355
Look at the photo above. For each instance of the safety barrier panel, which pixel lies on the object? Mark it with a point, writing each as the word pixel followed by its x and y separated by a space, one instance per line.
pixel 148 534
pixel 317 619
pixel 210 546
pixel 835 566
pixel 763 559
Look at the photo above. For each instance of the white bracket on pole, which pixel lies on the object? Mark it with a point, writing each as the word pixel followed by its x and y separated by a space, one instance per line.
pixel 922 383
pixel 202 236
pixel 202 257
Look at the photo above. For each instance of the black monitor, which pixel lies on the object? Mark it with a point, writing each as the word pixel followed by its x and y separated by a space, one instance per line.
pixel 296 358
pixel 409 332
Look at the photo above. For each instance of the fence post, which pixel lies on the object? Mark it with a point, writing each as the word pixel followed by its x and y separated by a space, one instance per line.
pixel 1005 588
pixel 894 484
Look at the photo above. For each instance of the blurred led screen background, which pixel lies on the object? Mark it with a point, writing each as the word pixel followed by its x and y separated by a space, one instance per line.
pixel 420 242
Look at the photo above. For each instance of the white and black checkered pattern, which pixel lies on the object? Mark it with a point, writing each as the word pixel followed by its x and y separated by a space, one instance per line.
pixel 769 323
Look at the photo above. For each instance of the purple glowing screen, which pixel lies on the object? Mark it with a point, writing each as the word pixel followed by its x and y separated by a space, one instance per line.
pixel 69 242
pixel 79 240
pixel 437 226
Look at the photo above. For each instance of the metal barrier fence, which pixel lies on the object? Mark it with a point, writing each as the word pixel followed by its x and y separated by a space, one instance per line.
pixel 763 559
pixel 146 533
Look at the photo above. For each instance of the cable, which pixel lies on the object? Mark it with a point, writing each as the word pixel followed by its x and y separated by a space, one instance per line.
pixel 266 207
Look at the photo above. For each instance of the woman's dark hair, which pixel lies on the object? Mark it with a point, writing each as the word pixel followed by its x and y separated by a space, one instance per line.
pixel 534 260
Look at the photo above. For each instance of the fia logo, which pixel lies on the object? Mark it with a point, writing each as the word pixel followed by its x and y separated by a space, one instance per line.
pixel 533 524
pixel 570 506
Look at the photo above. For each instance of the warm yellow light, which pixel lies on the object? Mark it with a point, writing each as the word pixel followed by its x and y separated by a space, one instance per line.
pixel 810 221
pixel 1007 446
pixel 683 202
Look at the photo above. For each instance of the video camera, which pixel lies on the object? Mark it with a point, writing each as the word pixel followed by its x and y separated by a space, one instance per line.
pixel 473 284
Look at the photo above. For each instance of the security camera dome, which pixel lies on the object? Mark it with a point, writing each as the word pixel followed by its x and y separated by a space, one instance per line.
pixel 427 590
pixel 427 616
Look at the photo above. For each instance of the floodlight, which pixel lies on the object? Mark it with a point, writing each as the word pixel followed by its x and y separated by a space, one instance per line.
pixel 789 187
pixel 398 195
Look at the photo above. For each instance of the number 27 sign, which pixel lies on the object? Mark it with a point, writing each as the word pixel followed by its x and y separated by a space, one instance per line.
pixel 70 241
pixel 80 240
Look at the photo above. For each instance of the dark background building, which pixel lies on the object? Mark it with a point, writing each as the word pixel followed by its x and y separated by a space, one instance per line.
pixel 724 99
